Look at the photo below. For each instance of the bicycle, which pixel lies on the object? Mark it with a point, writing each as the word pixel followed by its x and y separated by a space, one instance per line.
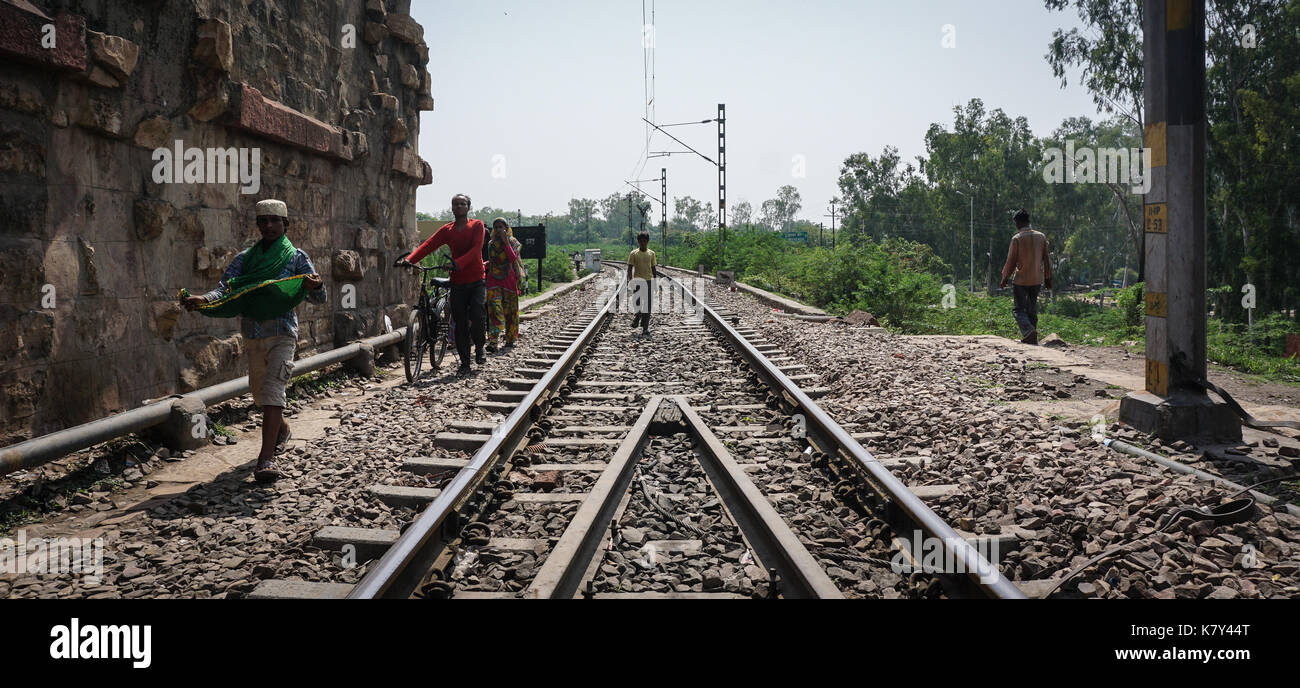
pixel 430 327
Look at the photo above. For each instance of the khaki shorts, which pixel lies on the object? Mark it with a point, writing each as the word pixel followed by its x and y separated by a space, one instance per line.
pixel 270 366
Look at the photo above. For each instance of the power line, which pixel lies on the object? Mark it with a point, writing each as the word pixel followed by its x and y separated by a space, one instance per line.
pixel 656 126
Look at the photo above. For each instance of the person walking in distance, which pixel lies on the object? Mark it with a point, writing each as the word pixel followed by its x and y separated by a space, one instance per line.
pixel 1028 257
pixel 467 239
pixel 262 286
pixel 504 274
pixel 641 267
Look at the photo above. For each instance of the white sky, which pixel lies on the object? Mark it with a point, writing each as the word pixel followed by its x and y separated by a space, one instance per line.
pixel 555 89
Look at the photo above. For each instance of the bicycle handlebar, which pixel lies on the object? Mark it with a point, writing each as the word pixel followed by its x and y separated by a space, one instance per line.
pixel 449 267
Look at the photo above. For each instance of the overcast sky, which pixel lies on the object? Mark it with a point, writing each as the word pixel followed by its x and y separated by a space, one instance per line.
pixel 541 101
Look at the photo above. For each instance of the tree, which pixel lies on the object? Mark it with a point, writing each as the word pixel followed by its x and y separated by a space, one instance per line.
pixel 1101 223
pixel 869 188
pixel 618 214
pixel 1111 61
pixel 992 157
pixel 777 213
pixel 581 212
pixel 690 214
pixel 742 214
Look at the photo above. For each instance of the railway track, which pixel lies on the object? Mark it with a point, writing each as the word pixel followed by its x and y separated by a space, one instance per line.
pixel 693 463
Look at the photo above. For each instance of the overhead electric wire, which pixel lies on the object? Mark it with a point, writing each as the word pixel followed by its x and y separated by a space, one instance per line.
pixel 647 88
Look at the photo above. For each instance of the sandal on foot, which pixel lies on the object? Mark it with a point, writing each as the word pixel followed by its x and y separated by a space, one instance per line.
pixel 267 472
pixel 282 441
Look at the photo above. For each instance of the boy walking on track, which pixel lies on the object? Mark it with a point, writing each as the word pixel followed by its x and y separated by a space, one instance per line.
pixel 262 285
pixel 1028 257
pixel 641 267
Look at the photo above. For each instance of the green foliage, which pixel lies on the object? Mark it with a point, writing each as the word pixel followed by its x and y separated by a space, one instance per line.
pixel 914 255
pixel 1073 305
pixel 1076 321
pixel 556 266
pixel 1132 304
pixel 889 281
pixel 1230 344
pixel 313 384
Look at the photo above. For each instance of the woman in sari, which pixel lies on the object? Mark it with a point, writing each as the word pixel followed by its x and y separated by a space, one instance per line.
pixel 504 274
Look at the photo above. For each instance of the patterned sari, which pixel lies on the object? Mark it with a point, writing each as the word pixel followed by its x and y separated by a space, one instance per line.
pixel 504 274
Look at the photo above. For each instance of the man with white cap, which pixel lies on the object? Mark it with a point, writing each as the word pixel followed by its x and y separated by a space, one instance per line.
pixel 262 286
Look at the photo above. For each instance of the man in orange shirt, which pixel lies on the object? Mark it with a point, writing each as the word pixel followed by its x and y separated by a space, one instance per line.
pixel 1028 257
pixel 467 239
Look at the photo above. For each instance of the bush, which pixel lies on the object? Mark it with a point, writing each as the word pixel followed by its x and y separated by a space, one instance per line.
pixel 1072 306
pixel 1132 303
pixel 556 266
pixel 1230 344
pixel 916 256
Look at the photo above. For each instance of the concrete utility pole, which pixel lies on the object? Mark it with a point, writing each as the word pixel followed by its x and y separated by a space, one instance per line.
pixel 588 225
pixel 1173 404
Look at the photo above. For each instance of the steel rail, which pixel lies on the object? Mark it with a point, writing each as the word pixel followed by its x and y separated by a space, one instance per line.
pixel 976 574
pixel 46 448
pixel 399 571
pixel 774 543
pixel 567 564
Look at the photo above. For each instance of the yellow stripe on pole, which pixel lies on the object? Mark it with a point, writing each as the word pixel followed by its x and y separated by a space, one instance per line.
pixel 1157 305
pixel 1178 14
pixel 1157 378
pixel 1153 137
pixel 1157 215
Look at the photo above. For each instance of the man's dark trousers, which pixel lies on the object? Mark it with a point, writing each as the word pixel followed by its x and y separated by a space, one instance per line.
pixel 642 302
pixel 469 312
pixel 1026 307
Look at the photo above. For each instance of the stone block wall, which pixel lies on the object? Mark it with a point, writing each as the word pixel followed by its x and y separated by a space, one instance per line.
pixel 93 247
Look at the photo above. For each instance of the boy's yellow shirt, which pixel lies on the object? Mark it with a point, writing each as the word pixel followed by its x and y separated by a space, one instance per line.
pixel 643 264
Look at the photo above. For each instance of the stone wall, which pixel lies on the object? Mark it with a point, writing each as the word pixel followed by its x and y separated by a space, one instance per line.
pixel 93 249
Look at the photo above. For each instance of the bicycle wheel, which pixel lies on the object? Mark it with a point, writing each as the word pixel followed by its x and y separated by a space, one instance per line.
pixel 442 335
pixel 416 343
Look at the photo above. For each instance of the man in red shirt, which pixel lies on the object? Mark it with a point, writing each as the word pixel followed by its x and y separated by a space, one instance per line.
pixel 467 239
